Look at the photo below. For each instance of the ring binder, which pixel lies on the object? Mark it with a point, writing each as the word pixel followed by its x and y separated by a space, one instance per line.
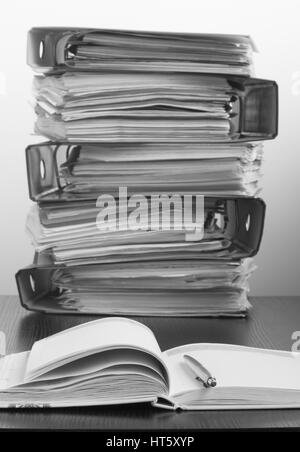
pixel 46 183
pixel 59 47
pixel 251 114
pixel 243 219
pixel 39 293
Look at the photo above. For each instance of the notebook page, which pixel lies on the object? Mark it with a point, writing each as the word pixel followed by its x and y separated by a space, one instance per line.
pixel 234 366
pixel 87 338
pixel 12 370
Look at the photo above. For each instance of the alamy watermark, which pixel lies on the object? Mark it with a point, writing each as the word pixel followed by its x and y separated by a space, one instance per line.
pixel 156 212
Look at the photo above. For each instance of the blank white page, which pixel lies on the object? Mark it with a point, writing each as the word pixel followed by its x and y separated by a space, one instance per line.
pixel 234 366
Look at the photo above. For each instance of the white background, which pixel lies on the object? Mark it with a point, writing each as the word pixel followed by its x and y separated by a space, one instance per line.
pixel 274 26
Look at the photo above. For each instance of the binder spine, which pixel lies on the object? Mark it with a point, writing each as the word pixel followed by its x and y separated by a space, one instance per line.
pixel 254 114
pixel 251 217
pixel 42 169
pixel 42 54
pixel 33 284
pixel 41 48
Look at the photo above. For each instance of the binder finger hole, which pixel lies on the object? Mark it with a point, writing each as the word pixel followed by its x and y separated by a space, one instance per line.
pixel 41 49
pixel 42 169
pixel 247 224
pixel 32 283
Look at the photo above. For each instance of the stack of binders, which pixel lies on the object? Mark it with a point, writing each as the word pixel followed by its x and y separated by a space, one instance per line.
pixel 137 121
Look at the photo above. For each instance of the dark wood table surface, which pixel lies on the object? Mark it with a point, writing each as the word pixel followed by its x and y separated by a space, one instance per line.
pixel 270 324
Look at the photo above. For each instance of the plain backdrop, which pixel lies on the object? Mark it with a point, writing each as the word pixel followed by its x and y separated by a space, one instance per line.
pixel 274 26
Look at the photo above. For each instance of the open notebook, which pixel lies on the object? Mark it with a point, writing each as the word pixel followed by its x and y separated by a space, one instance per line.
pixel 118 360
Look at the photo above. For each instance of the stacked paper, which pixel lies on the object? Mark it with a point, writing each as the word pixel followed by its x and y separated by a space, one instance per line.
pixel 150 115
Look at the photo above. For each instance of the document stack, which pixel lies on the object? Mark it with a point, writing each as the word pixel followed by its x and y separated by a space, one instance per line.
pixel 146 192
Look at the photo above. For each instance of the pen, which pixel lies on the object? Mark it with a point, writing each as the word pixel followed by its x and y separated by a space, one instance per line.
pixel 202 374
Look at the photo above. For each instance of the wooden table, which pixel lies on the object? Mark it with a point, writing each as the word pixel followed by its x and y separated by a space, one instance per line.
pixel 270 324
